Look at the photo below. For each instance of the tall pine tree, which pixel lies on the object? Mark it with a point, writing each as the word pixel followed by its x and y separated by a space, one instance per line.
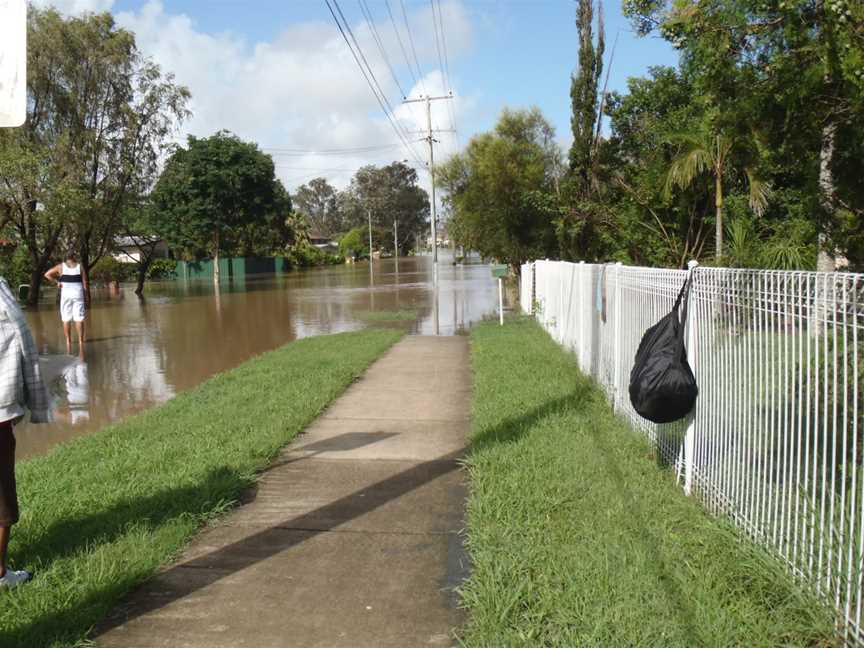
pixel 583 89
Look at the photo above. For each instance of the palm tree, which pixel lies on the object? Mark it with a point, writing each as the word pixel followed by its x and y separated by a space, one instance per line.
pixel 709 152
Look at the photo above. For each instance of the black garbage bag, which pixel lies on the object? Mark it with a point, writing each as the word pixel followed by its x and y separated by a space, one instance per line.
pixel 662 386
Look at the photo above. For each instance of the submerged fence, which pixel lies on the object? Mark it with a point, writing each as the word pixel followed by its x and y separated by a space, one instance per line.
pixel 775 442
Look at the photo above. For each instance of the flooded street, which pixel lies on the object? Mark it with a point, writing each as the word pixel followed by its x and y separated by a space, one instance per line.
pixel 143 353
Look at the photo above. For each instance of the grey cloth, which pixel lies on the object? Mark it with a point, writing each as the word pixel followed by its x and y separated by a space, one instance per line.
pixel 21 383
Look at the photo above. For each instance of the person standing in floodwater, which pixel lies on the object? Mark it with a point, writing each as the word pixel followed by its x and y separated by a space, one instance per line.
pixel 73 292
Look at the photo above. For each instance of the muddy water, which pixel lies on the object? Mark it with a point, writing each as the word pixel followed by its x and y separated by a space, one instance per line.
pixel 143 353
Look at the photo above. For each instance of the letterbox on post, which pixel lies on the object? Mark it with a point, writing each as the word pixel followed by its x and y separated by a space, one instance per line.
pixel 500 271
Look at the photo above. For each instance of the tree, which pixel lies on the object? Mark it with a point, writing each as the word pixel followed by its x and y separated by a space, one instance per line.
pixel 354 244
pixel 272 236
pixel 391 195
pixel 99 116
pixel 583 89
pixel 711 152
pixel 211 189
pixel 317 200
pixel 139 229
pixel 796 70
pixel 500 190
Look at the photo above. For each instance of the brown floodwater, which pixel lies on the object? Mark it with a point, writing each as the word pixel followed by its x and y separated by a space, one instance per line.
pixel 140 353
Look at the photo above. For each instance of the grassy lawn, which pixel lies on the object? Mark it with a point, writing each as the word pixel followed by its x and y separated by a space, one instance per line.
pixel 578 538
pixel 100 514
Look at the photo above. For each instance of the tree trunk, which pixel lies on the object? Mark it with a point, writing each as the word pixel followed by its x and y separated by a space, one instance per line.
pixel 35 285
pixel 216 257
pixel 827 193
pixel 84 262
pixel 718 202
pixel 143 267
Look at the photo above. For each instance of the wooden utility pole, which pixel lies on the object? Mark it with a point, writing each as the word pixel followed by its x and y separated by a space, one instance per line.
pixel 428 101
pixel 369 215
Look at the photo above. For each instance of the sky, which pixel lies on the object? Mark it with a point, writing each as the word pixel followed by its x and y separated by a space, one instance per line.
pixel 278 72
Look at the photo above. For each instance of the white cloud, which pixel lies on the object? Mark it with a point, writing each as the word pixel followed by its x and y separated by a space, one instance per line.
pixel 303 89
pixel 72 7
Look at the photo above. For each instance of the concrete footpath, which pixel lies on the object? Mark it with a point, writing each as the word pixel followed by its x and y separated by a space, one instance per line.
pixel 352 537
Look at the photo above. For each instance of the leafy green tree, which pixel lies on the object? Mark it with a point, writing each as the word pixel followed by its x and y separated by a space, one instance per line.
pixel 501 189
pixel 391 195
pixel 794 69
pixel 99 117
pixel 353 244
pixel 317 199
pixel 706 152
pixel 139 230
pixel 626 216
pixel 211 190
pixel 274 235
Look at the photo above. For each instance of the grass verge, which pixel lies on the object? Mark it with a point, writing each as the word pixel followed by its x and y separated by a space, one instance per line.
pixel 578 538
pixel 101 514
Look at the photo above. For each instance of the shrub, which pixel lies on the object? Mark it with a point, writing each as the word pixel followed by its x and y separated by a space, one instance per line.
pixel 162 269
pixel 15 266
pixel 353 244
pixel 308 256
pixel 109 269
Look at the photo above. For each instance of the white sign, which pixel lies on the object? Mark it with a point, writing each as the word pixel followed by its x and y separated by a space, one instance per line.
pixel 13 62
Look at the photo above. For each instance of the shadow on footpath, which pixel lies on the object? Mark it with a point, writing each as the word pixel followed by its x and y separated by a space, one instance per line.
pixel 219 489
pixel 260 546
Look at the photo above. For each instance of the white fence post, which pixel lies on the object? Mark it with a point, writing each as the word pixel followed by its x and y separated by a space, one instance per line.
pixel 690 434
pixel 616 345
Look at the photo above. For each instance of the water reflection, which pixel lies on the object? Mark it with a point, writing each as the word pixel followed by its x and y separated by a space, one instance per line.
pixel 77 384
pixel 144 352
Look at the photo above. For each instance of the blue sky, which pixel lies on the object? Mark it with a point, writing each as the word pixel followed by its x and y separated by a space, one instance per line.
pixel 279 72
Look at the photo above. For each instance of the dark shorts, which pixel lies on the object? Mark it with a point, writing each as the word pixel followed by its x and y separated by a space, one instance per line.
pixel 8 492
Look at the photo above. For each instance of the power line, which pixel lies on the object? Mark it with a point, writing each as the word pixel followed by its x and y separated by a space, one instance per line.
pixel 447 70
pixel 335 151
pixel 381 92
pixel 413 49
pixel 367 13
pixel 437 40
pixel 380 98
pixel 401 45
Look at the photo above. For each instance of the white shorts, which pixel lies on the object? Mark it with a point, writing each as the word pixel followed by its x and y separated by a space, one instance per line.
pixel 72 308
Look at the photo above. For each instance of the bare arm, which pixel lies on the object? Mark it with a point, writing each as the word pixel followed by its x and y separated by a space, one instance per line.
pixel 54 273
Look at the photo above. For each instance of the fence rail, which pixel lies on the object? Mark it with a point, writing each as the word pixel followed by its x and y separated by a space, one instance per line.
pixel 775 442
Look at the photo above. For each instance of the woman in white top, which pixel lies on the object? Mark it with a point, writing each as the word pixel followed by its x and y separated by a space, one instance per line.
pixel 73 291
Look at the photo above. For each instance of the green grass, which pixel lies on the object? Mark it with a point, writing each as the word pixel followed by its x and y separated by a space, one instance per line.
pixel 578 538
pixel 388 316
pixel 101 514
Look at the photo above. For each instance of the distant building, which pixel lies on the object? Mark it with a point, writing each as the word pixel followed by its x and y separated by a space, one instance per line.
pixel 127 250
pixel 322 242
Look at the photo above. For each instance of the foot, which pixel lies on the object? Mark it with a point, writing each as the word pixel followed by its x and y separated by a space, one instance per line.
pixel 14 578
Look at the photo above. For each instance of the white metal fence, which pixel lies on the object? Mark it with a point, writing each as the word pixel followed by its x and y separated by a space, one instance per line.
pixel 775 440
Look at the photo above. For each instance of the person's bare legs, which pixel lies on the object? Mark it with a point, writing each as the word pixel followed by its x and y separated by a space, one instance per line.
pixel 67 331
pixel 4 548
pixel 79 327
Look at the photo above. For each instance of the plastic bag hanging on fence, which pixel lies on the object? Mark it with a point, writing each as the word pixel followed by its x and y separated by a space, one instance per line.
pixel 662 386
